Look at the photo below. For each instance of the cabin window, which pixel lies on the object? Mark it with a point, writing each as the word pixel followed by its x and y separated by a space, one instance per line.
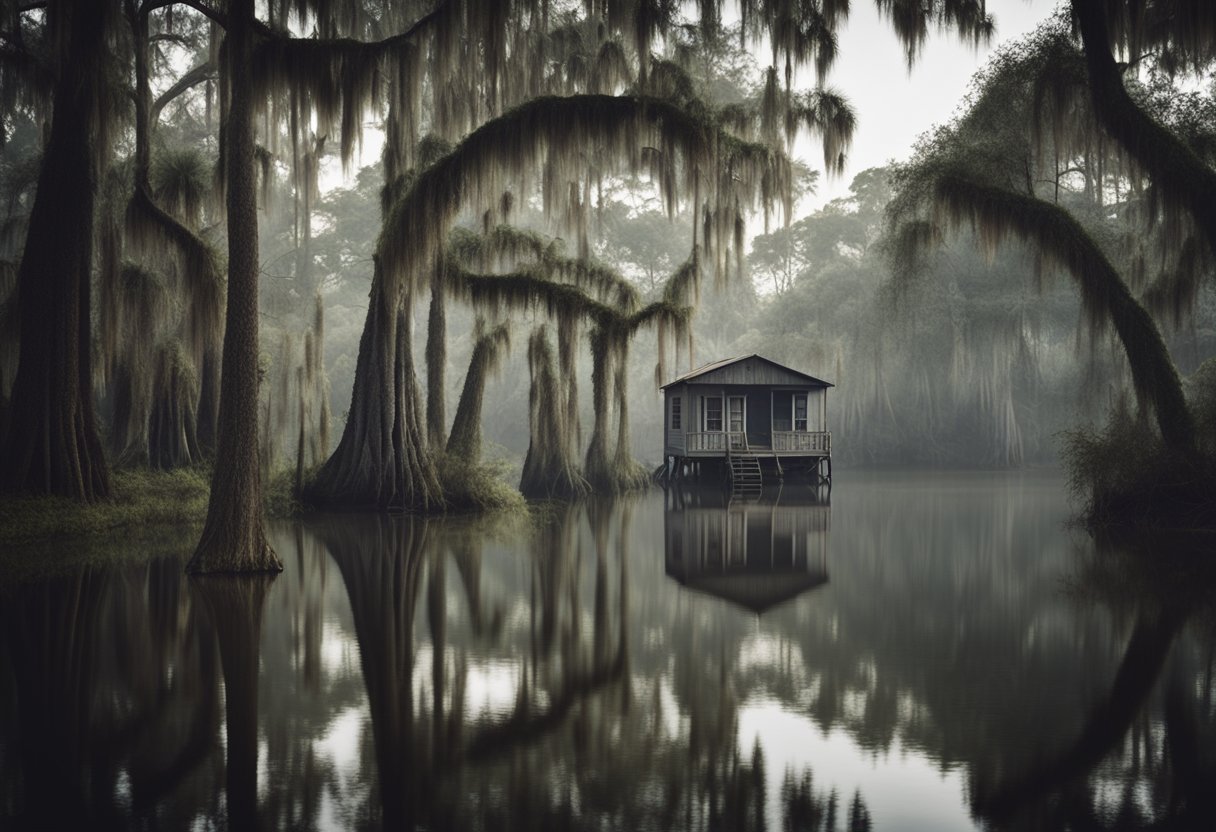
pixel 713 413
pixel 800 411
pixel 676 420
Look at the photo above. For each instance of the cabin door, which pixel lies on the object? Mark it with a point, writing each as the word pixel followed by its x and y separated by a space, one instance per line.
pixel 736 421
pixel 759 420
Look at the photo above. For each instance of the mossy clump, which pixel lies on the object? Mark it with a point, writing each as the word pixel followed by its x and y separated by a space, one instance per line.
pixel 1123 475
pixel 282 498
pixel 141 497
pixel 477 487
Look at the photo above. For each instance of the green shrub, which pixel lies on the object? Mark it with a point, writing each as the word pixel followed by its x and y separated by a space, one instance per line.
pixel 1123 475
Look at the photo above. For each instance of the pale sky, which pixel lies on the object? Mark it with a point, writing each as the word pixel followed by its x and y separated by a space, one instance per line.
pixel 894 107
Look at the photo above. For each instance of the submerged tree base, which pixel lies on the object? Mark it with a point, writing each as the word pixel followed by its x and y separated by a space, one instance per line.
pixel 234 548
pixel 561 482
pixel 619 476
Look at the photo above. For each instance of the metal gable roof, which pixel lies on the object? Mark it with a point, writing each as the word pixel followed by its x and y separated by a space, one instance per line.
pixel 705 369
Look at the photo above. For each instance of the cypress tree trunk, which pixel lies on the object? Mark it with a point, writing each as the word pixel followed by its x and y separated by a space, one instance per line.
pixel 382 461
pixel 128 439
pixel 624 453
pixel 549 471
pixel 300 439
pixel 52 445
pixel 171 436
pixel 465 441
pixel 627 471
pixel 234 538
pixel 1173 166
pixel 208 402
pixel 567 344
pixel 597 468
pixel 143 100
pixel 436 358
pixel 611 471
pixel 319 384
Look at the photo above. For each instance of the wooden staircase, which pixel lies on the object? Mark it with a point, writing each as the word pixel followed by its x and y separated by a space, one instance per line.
pixel 745 478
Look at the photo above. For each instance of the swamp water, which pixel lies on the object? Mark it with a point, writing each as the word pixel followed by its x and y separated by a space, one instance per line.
pixel 924 652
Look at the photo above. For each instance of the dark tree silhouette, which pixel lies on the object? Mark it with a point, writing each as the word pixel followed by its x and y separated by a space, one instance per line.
pixel 234 537
pixel 52 444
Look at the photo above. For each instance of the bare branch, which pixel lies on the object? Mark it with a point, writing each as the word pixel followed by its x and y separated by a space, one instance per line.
pixel 219 18
pixel 202 72
pixel 387 43
pixel 171 37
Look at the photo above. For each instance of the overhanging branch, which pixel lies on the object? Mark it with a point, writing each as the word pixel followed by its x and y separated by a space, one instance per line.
pixel 197 75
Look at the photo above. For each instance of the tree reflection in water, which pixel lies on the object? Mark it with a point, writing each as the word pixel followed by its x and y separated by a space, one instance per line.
pixel 571 676
pixel 112 705
pixel 572 744
pixel 234 604
pixel 1157 757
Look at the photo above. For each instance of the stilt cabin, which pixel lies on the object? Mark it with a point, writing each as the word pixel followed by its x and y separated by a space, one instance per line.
pixel 749 417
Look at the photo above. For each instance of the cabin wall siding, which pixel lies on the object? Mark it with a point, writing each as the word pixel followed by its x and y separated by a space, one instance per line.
pixel 673 438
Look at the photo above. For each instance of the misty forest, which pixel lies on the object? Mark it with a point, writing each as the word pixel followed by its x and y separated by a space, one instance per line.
pixel 608 414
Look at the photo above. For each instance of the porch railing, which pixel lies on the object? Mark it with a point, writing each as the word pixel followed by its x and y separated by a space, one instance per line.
pixel 801 441
pixel 717 442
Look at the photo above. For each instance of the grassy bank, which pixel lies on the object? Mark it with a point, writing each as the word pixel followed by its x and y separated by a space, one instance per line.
pixel 141 498
pixel 160 513
pixel 151 514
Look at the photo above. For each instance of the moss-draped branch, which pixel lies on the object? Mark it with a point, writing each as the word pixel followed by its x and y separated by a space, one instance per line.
pixel 555 130
pixel 995 213
pixel 1173 166
pixel 528 289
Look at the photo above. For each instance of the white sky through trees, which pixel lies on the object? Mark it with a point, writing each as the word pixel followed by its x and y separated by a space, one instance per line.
pixel 894 106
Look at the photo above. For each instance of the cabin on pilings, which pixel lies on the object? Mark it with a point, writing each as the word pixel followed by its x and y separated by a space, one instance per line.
pixel 747 419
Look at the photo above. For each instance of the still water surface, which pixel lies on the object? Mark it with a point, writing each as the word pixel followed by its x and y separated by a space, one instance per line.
pixel 921 652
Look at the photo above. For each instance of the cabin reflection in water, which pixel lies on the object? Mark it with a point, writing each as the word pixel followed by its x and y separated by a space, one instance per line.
pixel 756 554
